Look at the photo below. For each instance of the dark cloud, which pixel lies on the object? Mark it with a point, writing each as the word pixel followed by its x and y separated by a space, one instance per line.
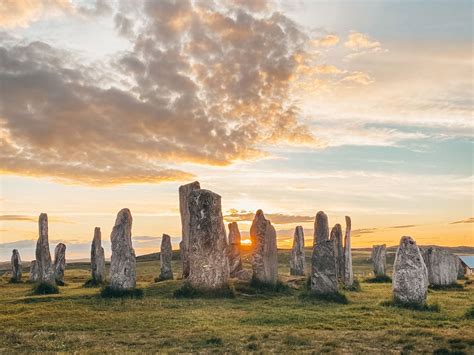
pixel 405 226
pixel 467 220
pixel 26 218
pixel 276 218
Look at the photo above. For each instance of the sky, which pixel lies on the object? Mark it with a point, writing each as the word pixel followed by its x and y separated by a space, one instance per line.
pixel 359 108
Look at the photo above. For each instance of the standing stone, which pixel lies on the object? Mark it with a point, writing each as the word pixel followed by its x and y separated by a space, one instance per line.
pixel 324 267
pixel 379 259
pixel 122 263
pixel 16 266
pixel 235 261
pixel 297 253
pixel 166 254
pixel 43 256
pixel 460 268
pixel 34 276
pixel 410 276
pixel 264 250
pixel 59 263
pixel 321 227
pixel 348 272
pixel 442 266
pixel 336 236
pixel 97 257
pixel 184 192
pixel 208 258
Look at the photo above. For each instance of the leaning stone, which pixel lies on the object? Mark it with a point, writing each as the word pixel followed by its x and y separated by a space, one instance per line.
pixel 97 257
pixel 410 276
pixel 235 261
pixel 336 235
pixel 16 266
pixel 43 256
pixel 379 259
pixel 324 268
pixel 166 254
pixel 122 263
pixel 297 260
pixel 442 266
pixel 208 259
pixel 321 227
pixel 264 250
pixel 184 192
pixel 34 276
pixel 59 263
pixel 348 272
pixel 460 268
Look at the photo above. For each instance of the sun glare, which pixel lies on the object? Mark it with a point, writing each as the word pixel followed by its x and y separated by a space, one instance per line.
pixel 246 242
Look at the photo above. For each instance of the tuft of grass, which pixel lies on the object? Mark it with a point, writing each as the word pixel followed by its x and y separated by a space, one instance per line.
pixel 109 292
pixel 187 291
pixel 470 313
pixel 355 287
pixel 44 288
pixel 335 297
pixel 252 346
pixel 216 341
pixel 14 281
pixel 159 279
pixel 60 283
pixel 279 287
pixel 294 341
pixel 379 279
pixel 413 306
pixel 92 283
pixel 453 287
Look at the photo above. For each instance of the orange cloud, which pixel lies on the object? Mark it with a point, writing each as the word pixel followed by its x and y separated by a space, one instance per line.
pixel 326 41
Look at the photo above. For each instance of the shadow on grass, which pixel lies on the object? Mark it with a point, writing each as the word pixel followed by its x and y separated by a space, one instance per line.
pixel 452 287
pixel 14 281
pixel 355 287
pixel 187 291
pixel 92 283
pixel 379 279
pixel 44 288
pixel 259 288
pixel 110 292
pixel 470 313
pixel 334 297
pixel 412 306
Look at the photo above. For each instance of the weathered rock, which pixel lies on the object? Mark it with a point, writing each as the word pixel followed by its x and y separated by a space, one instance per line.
pixel 97 257
pixel 297 253
pixel 324 267
pixel 264 250
pixel 442 266
pixel 43 256
pixel 184 192
pixel 410 276
pixel 59 263
pixel 321 227
pixel 235 261
pixel 34 276
pixel 123 262
pixel 16 266
pixel 166 254
pixel 379 259
pixel 336 236
pixel 460 268
pixel 348 272
pixel 208 249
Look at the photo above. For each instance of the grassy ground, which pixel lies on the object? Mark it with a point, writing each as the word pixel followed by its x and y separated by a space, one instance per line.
pixel 76 319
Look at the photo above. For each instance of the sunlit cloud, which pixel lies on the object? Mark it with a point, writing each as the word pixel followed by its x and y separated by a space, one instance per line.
pixel 467 220
pixel 276 218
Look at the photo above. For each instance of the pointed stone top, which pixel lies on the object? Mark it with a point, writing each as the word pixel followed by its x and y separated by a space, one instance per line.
pixel 15 251
pixel 321 214
pixel 61 245
pixel 191 186
pixel 348 221
pixel 406 241
pixel 43 216
pixel 259 214
pixel 124 217
pixel 299 230
pixel 96 230
pixel 165 236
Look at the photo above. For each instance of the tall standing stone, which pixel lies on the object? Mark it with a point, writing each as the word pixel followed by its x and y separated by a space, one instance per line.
pixel 208 258
pixel 460 268
pixel 235 261
pixel 166 254
pixel 43 256
pixel 264 250
pixel 324 267
pixel 348 272
pixel 59 263
pixel 297 260
pixel 97 257
pixel 16 266
pixel 379 259
pixel 410 276
pixel 34 276
pixel 321 227
pixel 442 266
pixel 336 236
pixel 122 263
pixel 184 192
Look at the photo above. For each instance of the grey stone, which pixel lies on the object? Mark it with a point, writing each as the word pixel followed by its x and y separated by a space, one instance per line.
pixel 166 254
pixel 379 259
pixel 123 262
pixel 184 192
pixel 297 260
pixel 208 249
pixel 410 276
pixel 321 227
pixel 43 256
pixel 16 266
pixel 34 276
pixel 235 261
pixel 460 268
pixel 264 250
pixel 324 267
pixel 59 263
pixel 97 257
pixel 348 272
pixel 442 266
pixel 336 236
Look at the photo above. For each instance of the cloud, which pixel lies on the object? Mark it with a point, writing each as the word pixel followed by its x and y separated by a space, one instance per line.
pixel 276 218
pixel 328 40
pixel 360 44
pixel 26 218
pixel 467 220
pixel 405 226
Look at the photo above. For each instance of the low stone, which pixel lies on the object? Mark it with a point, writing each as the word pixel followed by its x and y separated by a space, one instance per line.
pixel 324 268
pixel 442 266
pixel 235 261
pixel 379 259
pixel 34 276
pixel 336 236
pixel 97 257
pixel 166 254
pixel 16 266
pixel 297 260
pixel 59 263
pixel 321 227
pixel 348 272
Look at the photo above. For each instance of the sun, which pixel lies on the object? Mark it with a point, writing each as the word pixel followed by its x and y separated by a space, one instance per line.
pixel 245 242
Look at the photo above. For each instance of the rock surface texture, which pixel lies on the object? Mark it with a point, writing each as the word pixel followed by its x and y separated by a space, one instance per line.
pixel 442 266
pixel 59 263
pixel 208 249
pixel 97 257
pixel 235 261
pixel 166 254
pixel 43 256
pixel 324 268
pixel 184 192
pixel 34 276
pixel 264 250
pixel 123 262
pixel 321 227
pixel 379 259
pixel 336 236
pixel 348 272
pixel 16 266
pixel 410 276
pixel 297 253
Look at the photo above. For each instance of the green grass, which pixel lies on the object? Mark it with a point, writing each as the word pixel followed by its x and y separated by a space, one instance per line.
pixel 186 291
pixel 79 320
pixel 92 283
pixel 44 288
pixel 470 313
pixel 412 306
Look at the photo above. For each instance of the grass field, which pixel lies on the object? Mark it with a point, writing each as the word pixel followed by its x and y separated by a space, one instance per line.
pixel 78 320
